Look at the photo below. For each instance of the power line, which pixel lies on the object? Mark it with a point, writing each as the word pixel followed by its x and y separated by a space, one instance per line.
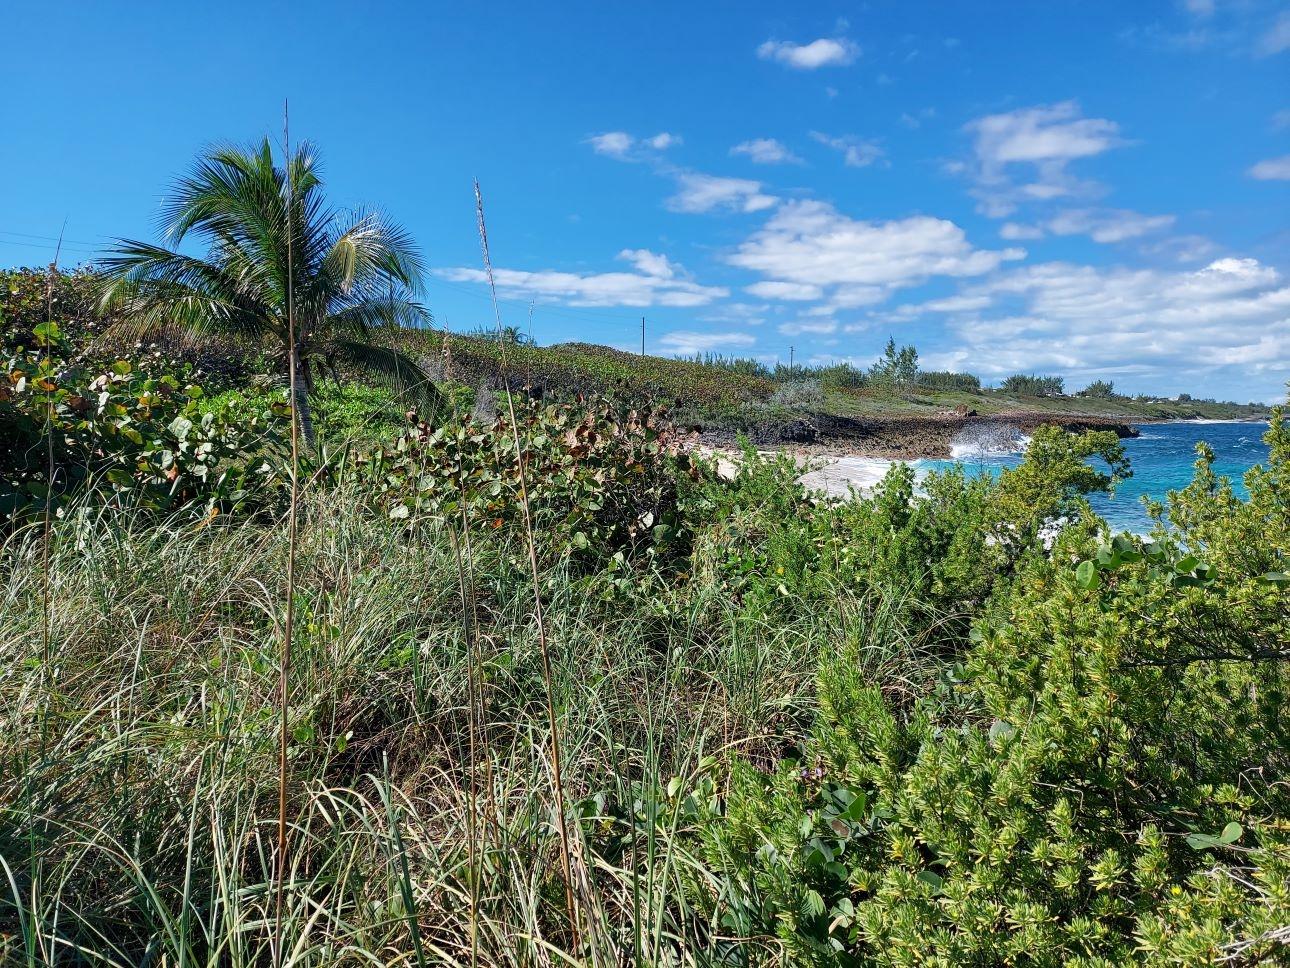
pixel 51 238
pixel 54 246
pixel 564 312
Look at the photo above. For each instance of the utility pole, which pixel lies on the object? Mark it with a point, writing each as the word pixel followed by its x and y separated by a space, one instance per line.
pixel 642 336
pixel 790 363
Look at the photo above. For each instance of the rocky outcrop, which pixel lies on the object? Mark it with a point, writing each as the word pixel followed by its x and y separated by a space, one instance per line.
pixel 905 438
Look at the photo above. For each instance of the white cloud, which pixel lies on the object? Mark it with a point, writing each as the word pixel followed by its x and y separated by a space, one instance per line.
pixel 663 140
pixel 1107 225
pixel 1101 225
pixel 1042 134
pixel 747 313
pixel 1086 319
pixel 1199 8
pixel 615 144
pixel 649 263
pixel 766 151
pixel 697 192
pixel 955 304
pixel 805 328
pixel 657 281
pixel 825 52
pixel 811 243
pixel 1182 248
pixel 856 152
pixel 1273 169
pixel 1043 141
pixel 623 146
pixel 1014 231
pixel 915 120
pixel 688 343
pixel 1276 38
pixel 784 290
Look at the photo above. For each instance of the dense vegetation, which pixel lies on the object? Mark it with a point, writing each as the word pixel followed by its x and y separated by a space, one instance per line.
pixel 562 692
pixel 962 726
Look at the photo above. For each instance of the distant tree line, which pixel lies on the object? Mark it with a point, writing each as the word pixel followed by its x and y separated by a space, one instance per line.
pixel 1034 386
pixel 897 369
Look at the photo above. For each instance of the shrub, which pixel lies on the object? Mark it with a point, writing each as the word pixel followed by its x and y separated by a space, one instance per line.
pixel 1101 389
pixel 799 393
pixel 896 367
pixel 949 380
pixel 1034 386
pixel 136 432
pixel 841 376
pixel 601 481
pixel 1094 782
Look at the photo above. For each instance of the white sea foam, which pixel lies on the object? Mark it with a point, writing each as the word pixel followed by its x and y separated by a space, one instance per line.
pixel 983 441
pixel 839 476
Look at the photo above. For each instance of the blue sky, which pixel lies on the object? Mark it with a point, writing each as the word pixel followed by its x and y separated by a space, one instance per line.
pixel 1093 189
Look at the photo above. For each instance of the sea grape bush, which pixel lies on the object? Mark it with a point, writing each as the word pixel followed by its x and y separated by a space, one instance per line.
pixel 136 432
pixel 602 481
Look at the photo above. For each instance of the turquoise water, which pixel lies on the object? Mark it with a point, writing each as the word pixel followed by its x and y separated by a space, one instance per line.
pixel 1162 460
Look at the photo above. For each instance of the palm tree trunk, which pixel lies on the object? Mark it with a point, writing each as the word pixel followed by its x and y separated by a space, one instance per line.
pixel 303 413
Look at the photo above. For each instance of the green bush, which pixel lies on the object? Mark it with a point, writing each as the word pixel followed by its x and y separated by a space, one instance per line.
pixel 601 481
pixel 949 380
pixel 137 433
pixel 1034 386
pixel 1095 781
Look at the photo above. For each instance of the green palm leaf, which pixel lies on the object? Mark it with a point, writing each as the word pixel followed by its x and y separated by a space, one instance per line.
pixel 273 243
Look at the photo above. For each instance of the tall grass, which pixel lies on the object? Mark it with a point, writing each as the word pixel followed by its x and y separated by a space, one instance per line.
pixel 144 830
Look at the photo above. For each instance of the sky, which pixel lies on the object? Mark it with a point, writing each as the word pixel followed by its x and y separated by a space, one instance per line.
pixel 1097 190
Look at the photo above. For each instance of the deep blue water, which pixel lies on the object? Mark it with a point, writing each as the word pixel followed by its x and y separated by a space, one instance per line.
pixel 1161 459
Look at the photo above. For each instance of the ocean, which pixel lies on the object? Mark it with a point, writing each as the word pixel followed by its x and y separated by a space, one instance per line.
pixel 1162 459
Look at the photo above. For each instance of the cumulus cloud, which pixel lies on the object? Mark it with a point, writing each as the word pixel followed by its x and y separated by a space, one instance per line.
pixel 1276 38
pixel 689 343
pixel 1101 225
pixel 825 52
pixel 1108 225
pixel 749 314
pixel 656 281
pixel 1273 169
pixel 856 152
pixel 650 263
pixel 859 262
pixel 697 192
pixel 1041 142
pixel 784 290
pixel 1014 231
pixel 808 328
pixel 624 146
pixel 766 151
pixel 615 144
pixel 1085 319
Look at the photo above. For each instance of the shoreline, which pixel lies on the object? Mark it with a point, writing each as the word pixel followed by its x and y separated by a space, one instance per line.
pixel 900 438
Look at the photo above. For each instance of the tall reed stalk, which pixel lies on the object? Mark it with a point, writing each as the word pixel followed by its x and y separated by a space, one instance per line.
pixel 47 603
pixel 557 781
pixel 284 668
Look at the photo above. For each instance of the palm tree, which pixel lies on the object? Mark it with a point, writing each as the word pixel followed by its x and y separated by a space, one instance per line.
pixel 269 232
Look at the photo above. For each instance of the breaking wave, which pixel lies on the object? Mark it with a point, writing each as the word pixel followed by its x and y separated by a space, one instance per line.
pixel 984 441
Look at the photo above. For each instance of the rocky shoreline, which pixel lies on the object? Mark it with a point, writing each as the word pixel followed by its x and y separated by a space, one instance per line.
pixel 898 438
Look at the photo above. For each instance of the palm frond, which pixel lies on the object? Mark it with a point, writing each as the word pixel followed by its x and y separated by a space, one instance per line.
pixel 391 308
pixel 395 369
pixel 153 288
